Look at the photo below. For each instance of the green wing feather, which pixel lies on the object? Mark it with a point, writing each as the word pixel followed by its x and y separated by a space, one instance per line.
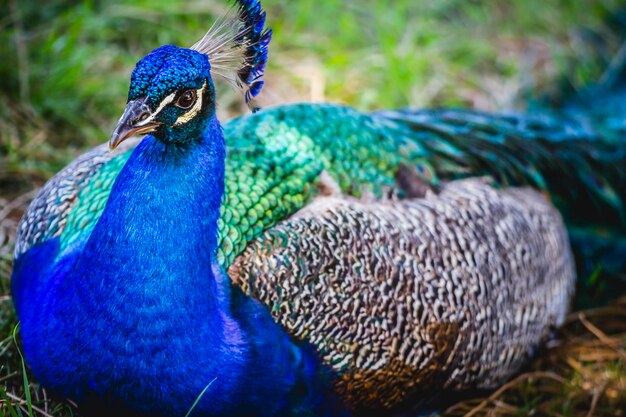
pixel 275 158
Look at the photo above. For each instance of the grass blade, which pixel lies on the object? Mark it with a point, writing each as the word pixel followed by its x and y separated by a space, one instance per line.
pixel 199 397
pixel 9 405
pixel 29 402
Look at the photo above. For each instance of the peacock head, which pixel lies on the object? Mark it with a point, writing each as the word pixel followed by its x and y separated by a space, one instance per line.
pixel 172 94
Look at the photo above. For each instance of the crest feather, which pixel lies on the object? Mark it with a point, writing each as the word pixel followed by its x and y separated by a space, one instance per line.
pixel 237 47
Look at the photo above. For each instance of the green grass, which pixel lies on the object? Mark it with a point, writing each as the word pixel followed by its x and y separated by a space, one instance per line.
pixel 64 67
pixel 64 70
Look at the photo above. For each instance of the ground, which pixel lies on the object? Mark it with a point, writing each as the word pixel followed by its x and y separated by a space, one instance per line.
pixel 64 73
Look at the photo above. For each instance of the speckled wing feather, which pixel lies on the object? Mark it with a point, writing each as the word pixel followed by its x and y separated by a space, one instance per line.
pixel 452 291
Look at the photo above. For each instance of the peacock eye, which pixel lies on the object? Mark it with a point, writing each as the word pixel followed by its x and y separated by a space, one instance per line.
pixel 187 99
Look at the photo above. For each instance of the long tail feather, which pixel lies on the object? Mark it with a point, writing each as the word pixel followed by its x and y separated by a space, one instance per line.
pixel 581 169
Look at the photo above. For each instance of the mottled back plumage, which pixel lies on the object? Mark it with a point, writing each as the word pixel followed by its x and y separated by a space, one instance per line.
pixel 453 289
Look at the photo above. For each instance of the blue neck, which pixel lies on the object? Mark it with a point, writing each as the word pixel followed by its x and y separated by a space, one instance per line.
pixel 142 319
pixel 164 206
pixel 144 290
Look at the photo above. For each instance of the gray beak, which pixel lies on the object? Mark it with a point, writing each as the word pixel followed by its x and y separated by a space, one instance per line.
pixel 136 120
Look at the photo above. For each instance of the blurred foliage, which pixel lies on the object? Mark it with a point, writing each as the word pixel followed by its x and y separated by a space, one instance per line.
pixel 65 65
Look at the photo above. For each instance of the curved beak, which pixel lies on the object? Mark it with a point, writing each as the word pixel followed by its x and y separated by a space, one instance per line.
pixel 136 120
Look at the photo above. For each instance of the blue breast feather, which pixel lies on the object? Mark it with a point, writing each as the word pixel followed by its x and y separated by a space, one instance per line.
pixel 182 326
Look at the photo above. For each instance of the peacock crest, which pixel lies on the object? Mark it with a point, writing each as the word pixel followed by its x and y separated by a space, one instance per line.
pixel 237 47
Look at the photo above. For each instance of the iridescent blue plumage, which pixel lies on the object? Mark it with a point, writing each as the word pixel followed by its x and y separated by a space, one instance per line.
pixel 167 69
pixel 174 317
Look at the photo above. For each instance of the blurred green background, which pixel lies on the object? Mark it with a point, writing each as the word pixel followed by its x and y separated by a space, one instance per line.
pixel 65 66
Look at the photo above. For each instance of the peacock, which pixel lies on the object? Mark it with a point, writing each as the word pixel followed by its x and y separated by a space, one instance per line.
pixel 306 259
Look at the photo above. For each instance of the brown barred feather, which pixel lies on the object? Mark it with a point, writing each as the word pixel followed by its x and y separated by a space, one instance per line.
pixel 450 291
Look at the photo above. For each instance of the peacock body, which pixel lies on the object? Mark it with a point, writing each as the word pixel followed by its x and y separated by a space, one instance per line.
pixel 304 259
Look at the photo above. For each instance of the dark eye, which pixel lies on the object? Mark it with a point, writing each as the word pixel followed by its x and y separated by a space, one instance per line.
pixel 187 99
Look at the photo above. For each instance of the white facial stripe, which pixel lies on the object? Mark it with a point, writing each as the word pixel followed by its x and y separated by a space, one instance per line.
pixel 184 118
pixel 167 100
